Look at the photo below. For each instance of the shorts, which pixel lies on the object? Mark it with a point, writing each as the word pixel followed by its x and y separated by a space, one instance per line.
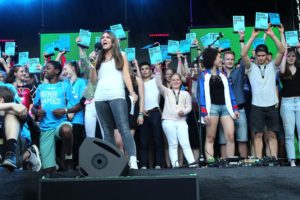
pixel 47 145
pixel 264 117
pixel 218 110
pixel 240 129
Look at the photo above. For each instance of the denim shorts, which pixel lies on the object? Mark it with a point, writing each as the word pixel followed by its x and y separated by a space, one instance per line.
pixel 218 110
pixel 240 129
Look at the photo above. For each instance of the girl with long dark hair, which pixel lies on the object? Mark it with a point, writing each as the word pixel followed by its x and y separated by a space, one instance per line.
pixel 112 74
pixel 290 101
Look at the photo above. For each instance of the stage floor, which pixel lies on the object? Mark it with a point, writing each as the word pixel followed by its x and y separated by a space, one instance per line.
pixel 214 183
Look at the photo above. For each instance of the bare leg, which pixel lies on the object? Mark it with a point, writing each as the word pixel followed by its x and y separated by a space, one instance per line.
pixel 211 130
pixel 66 134
pixel 223 151
pixel 243 149
pixel 258 144
pixel 228 126
pixel 273 144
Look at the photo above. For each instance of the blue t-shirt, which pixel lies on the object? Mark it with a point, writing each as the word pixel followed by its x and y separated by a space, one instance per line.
pixel 51 97
pixel 237 81
pixel 13 89
pixel 78 88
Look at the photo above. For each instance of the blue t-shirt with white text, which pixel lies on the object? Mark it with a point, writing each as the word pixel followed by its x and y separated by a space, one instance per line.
pixel 78 88
pixel 51 97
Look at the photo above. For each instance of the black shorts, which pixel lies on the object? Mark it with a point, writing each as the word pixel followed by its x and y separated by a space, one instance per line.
pixel 264 118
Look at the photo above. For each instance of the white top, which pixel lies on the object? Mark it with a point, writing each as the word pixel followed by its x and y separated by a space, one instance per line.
pixel 263 84
pixel 151 95
pixel 175 101
pixel 110 84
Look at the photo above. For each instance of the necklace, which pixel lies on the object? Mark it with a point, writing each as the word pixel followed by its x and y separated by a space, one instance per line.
pixel 108 59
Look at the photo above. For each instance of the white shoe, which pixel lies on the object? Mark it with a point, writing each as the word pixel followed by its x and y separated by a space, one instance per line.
pixel 193 166
pixel 34 158
pixel 143 167
pixel 133 163
pixel 157 167
pixel 293 163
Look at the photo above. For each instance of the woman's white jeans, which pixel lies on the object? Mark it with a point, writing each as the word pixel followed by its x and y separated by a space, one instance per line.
pixel 90 120
pixel 177 131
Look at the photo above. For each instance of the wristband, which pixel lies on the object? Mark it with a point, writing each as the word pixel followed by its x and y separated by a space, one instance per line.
pixel 242 41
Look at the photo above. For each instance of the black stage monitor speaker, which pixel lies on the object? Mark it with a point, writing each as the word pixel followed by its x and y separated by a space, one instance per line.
pixel 127 188
pixel 98 158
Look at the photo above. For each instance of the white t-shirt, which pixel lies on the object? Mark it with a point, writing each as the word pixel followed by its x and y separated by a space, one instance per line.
pixel 110 84
pixel 151 94
pixel 263 84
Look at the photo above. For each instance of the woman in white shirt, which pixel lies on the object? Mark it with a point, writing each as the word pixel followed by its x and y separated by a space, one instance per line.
pixel 112 72
pixel 178 104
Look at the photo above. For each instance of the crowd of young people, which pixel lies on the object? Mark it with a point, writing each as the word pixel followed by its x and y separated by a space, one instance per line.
pixel 148 110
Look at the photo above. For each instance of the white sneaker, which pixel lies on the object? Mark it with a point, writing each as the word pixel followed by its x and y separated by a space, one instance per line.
pixel 34 158
pixel 293 163
pixel 157 167
pixel 133 163
pixel 143 167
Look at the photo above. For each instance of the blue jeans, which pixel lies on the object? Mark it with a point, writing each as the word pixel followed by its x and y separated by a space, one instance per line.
pixel 290 113
pixel 114 114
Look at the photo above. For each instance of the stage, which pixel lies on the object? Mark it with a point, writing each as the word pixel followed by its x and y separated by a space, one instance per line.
pixel 213 183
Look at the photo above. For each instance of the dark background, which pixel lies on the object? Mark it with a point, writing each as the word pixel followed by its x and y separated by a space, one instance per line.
pixel 23 20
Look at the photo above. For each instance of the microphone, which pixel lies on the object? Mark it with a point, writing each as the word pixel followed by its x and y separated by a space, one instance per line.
pixel 221 35
pixel 98 47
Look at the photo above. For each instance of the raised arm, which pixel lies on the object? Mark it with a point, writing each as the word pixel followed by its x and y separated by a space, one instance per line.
pixel 244 53
pixel 242 39
pixel 282 36
pixel 163 89
pixel 83 61
pixel 180 67
pixel 5 65
pixel 138 72
pixel 278 44
pixel 283 62
pixel 59 55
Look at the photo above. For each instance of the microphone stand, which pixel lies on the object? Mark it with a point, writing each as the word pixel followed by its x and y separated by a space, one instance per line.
pixel 201 160
pixel 218 38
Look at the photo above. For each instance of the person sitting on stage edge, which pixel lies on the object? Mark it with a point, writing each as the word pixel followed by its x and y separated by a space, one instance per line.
pixel 14 116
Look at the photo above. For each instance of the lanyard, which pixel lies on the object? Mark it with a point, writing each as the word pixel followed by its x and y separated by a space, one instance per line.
pixel 74 82
pixel 176 96
pixel 262 71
